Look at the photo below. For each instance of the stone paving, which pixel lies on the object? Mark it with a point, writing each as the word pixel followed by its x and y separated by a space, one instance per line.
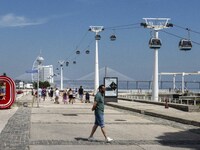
pixel 59 126
pixel 15 135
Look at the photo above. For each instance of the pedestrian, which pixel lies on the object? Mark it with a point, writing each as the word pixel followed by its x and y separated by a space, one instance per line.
pixel 65 97
pixel 70 95
pixel 49 90
pixel 57 93
pixel 74 95
pixel 76 92
pixel 44 93
pixel 80 92
pixel 32 92
pixel 51 94
pixel 40 93
pixel 98 108
pixel 87 97
pixel 35 95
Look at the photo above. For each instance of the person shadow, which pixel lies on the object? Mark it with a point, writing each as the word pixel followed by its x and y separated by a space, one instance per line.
pixel 82 139
pixel 183 139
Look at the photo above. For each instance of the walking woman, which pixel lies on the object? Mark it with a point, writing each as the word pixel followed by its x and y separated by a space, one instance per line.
pixel 70 94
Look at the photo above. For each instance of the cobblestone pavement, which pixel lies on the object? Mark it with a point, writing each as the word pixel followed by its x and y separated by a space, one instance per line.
pixel 15 135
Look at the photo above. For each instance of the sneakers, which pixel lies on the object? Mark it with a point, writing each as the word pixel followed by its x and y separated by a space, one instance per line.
pixel 91 139
pixel 108 139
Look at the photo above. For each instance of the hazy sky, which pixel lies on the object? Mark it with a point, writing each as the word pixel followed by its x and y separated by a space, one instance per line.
pixel 58 27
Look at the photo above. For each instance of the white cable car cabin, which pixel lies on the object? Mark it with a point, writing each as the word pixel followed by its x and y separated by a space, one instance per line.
pixel 154 43
pixel 185 45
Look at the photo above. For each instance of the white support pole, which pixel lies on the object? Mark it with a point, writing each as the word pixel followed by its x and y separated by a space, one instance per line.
pixel 38 82
pixel 96 29
pixel 174 82
pixel 183 82
pixel 61 77
pixel 156 24
pixel 96 80
pixel 155 76
pixel 61 62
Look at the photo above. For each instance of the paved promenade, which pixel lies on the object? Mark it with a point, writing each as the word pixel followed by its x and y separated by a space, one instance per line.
pixel 66 126
pixel 191 118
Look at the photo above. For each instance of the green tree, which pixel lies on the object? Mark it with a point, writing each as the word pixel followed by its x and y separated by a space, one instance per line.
pixel 44 84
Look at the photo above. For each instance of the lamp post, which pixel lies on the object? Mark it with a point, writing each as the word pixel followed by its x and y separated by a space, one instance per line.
pixel 39 61
pixel 156 24
pixel 96 29
pixel 51 77
pixel 61 62
pixel 183 82
pixel 174 82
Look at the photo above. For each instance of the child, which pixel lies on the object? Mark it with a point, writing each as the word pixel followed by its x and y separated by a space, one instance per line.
pixel 65 97
pixel 87 98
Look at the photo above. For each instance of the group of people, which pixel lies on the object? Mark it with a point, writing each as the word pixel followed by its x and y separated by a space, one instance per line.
pixel 41 93
pixel 72 95
pixel 68 95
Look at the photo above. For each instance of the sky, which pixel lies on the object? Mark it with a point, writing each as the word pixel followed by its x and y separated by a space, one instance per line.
pixel 55 29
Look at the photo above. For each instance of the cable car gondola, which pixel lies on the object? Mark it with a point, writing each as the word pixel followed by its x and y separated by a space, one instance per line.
pixel 154 43
pixel 112 37
pixel 97 37
pixel 185 45
pixel 87 51
pixel 78 52
pixel 67 63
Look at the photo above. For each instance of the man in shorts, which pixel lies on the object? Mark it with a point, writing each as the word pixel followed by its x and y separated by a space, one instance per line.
pixel 80 92
pixel 98 108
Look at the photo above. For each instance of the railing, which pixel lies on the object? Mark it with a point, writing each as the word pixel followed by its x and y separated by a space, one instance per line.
pixel 188 100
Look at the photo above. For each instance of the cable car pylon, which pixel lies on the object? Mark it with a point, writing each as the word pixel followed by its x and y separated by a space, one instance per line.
pixel 156 24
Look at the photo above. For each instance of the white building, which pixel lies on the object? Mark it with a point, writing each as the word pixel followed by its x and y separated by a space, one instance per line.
pixel 46 74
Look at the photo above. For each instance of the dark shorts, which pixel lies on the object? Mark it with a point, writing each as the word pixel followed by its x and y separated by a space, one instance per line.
pixel 70 96
pixel 99 120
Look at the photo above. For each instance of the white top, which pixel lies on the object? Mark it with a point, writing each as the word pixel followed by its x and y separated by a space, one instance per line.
pixel 57 92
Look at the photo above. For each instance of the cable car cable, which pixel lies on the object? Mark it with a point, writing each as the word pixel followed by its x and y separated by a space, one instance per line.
pixel 75 50
pixel 197 32
pixel 179 37
pixel 121 26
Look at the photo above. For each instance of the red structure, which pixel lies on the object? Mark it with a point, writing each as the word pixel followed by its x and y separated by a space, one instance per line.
pixel 7 92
